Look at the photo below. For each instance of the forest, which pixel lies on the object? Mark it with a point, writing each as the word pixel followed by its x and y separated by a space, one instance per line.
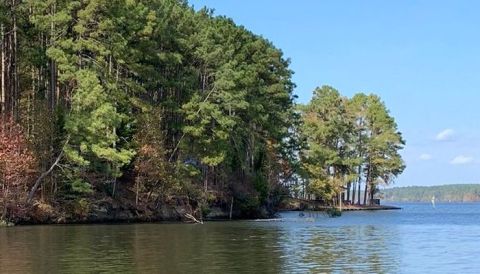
pixel 121 110
pixel 445 193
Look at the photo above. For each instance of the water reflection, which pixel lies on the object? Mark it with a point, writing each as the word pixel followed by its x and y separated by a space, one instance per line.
pixel 351 249
pixel 417 239
pixel 211 248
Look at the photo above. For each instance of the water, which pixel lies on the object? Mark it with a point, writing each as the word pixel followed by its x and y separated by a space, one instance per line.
pixel 417 239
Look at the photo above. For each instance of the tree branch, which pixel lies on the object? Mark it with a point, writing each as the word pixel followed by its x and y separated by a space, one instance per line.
pixel 46 173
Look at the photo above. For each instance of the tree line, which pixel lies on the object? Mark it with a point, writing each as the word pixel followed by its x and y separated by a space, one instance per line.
pixel 443 193
pixel 150 102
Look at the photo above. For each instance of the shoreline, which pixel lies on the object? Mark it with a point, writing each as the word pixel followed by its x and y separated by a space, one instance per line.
pixel 308 205
pixel 187 222
pixel 370 208
pixel 178 215
pixel 175 217
pixel 126 222
pixel 349 208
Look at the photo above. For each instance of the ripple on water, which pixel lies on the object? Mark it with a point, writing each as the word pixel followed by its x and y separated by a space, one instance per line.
pixel 418 239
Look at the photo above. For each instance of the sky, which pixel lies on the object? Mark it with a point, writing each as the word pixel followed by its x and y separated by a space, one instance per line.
pixel 421 57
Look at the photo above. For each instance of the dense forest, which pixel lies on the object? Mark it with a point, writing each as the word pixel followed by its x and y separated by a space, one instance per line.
pixel 151 110
pixel 444 193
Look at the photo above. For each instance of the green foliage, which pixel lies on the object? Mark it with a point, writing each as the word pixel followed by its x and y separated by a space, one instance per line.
pixel 249 206
pixel 81 207
pixel 92 126
pixel 444 193
pixel 328 130
pixel 347 140
pixel 172 103
pixel 79 186
pixel 261 186
pixel 383 160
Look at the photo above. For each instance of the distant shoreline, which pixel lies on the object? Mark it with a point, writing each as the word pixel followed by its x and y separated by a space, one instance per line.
pixel 429 202
pixel 461 193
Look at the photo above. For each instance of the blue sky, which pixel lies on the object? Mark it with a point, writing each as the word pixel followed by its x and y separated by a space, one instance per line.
pixel 421 57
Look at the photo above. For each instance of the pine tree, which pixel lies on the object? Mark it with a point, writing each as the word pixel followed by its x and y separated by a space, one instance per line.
pixel 327 130
pixel 383 161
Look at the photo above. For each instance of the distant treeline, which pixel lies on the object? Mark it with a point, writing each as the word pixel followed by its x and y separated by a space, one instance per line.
pixel 444 193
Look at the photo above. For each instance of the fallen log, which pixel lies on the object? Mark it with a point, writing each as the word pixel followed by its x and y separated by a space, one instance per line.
pixel 193 219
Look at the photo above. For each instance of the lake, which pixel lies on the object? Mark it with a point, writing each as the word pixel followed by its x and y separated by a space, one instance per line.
pixel 417 239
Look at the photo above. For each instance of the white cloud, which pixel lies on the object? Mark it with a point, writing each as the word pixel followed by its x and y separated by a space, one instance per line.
pixel 462 160
pixel 445 135
pixel 425 157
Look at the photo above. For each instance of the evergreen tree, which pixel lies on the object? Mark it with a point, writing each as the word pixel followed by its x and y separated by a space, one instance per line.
pixel 327 130
pixel 217 100
pixel 383 161
pixel 349 140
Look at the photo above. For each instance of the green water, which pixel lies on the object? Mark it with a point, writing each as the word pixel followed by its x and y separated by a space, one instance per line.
pixel 418 239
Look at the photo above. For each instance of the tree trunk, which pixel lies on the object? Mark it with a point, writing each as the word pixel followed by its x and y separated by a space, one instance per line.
pixel 53 70
pixel 368 181
pixel 3 91
pixel 365 194
pixel 349 186
pixel 304 187
pixel 114 187
pixel 53 86
pixel 15 84
pixel 205 180
pixel 231 209
pixel 5 203
pixel 372 193
pixel 359 182
pixel 359 192
pixel 39 180
pixel 46 173
pixel 340 198
pixel 354 192
pixel 137 186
